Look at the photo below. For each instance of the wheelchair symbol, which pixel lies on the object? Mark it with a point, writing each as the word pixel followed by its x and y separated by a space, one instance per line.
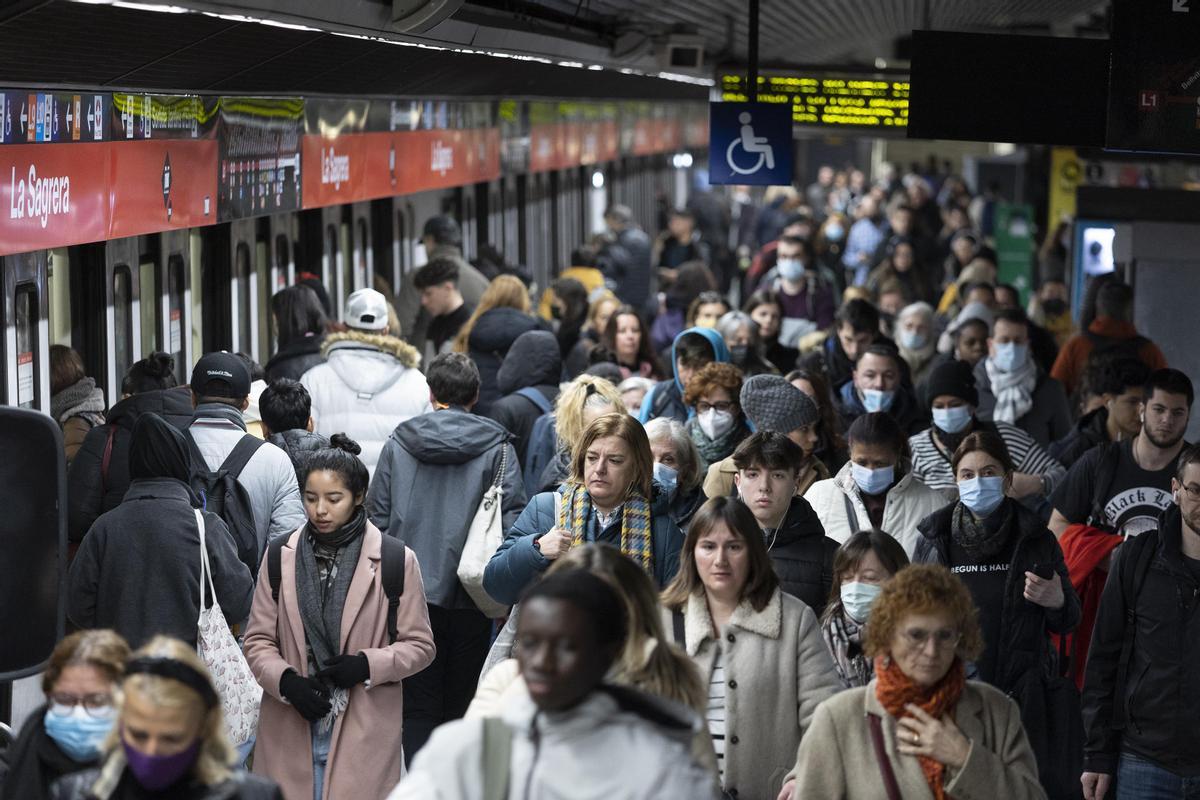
pixel 752 145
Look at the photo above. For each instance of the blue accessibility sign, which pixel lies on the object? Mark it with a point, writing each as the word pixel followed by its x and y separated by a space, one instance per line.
pixel 750 143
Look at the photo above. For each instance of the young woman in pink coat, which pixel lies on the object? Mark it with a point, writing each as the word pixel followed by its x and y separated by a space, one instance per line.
pixel 329 672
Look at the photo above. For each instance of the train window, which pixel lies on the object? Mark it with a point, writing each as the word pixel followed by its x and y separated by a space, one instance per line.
pixel 283 262
pixel 175 302
pixel 243 277
pixel 28 357
pixel 362 254
pixel 150 308
pixel 122 300
pixel 336 282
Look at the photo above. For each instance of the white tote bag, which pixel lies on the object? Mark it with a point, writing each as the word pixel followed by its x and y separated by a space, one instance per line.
pixel 231 676
pixel 483 540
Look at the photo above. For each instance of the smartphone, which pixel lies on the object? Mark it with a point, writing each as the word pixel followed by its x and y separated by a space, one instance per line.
pixel 1044 571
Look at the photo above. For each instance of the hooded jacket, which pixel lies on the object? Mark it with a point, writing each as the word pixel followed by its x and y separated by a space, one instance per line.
pixel 555 753
pixel 90 491
pixel 299 445
pixel 297 358
pixel 533 362
pixel 908 502
pixel 665 398
pixel 1089 431
pixel 803 555
pixel 367 386
pixel 1162 709
pixel 518 563
pixel 494 333
pixel 909 414
pixel 1048 419
pixel 432 475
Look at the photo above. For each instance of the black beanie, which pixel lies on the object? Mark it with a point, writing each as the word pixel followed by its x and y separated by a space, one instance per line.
pixel 954 378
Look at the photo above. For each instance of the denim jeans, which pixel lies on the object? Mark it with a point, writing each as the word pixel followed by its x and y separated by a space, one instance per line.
pixel 1139 779
pixel 320 756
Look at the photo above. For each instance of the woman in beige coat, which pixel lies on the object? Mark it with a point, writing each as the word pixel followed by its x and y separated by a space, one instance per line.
pixel 942 736
pixel 759 650
pixel 322 652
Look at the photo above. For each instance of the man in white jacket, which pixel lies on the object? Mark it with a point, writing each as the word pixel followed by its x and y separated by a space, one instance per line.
pixel 370 381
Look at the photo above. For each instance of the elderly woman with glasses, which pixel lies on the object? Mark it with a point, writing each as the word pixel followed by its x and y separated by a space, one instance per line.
pixel 919 729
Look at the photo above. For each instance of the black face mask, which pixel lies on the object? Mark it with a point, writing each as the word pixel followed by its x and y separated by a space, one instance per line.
pixel 1054 307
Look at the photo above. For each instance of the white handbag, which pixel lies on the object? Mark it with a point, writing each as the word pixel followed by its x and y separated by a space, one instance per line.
pixel 240 693
pixel 483 540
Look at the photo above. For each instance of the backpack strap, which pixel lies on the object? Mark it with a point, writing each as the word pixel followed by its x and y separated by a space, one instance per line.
pixel 275 565
pixel 241 454
pixel 497 755
pixel 1106 473
pixel 392 558
pixel 531 394
pixel 106 459
pixel 890 787
pixel 1134 566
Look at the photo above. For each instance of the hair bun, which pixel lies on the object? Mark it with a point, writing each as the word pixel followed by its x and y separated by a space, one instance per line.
pixel 159 364
pixel 341 441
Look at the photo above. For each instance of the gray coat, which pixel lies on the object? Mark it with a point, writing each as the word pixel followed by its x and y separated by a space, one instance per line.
pixel 1047 421
pixel 138 569
pixel 432 474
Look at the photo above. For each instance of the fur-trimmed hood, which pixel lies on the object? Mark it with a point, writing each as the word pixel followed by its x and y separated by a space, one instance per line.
pixel 399 349
pixel 369 363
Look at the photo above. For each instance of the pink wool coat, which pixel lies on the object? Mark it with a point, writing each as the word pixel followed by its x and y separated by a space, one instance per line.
pixel 364 755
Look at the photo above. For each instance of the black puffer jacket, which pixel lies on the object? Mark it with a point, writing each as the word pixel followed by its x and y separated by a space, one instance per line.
pixel 89 492
pixel 299 445
pixel 34 762
pixel 295 359
pixel 489 342
pixel 803 555
pixel 239 786
pixel 1161 705
pixel 533 362
pixel 1089 431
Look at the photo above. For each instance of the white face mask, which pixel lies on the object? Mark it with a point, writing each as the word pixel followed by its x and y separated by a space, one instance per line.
pixel 715 424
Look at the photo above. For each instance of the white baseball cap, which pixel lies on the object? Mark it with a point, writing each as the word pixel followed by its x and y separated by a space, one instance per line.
pixel 367 310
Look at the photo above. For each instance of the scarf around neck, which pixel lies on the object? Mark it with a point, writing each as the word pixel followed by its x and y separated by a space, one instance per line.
pixel 981 538
pixel 843 637
pixel 636 540
pixel 895 690
pixel 1013 390
pixel 80 399
pixel 714 450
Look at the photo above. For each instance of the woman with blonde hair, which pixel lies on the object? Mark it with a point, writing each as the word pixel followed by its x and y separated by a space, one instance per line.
pixel 501 316
pixel 610 497
pixel 553 438
pixel 169 737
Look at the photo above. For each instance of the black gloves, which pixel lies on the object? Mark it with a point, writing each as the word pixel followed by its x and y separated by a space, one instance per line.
pixel 308 696
pixel 346 671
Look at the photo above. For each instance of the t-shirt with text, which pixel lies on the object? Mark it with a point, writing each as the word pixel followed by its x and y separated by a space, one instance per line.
pixel 1132 501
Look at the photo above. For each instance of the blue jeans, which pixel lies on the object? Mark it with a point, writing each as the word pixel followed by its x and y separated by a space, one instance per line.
pixel 1139 779
pixel 320 755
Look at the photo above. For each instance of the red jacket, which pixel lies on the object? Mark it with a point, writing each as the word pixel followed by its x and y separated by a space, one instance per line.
pixel 1085 549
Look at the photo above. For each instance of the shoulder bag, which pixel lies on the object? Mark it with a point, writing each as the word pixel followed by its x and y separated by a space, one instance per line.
pixel 483 540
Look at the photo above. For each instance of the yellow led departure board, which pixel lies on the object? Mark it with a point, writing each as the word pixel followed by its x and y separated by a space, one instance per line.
pixel 830 99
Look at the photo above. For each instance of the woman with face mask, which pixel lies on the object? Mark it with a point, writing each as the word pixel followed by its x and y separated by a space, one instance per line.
pixel 876 488
pixel 718 425
pixel 861 567
pixel 676 468
pixel 917 340
pixel 67 734
pixel 323 648
pixel 740 333
pixel 168 737
pixel 1009 561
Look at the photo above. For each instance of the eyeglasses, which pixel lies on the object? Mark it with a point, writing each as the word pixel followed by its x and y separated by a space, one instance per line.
pixel 96 705
pixel 720 405
pixel 946 637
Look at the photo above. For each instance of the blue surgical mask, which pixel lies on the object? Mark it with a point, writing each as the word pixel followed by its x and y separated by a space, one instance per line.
pixel 877 400
pixel 857 599
pixel 1010 356
pixel 952 420
pixel 873 481
pixel 667 477
pixel 79 734
pixel 913 340
pixel 834 232
pixel 791 269
pixel 981 495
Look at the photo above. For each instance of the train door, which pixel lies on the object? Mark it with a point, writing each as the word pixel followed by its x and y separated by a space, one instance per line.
pixel 173 291
pixel 362 251
pixel 333 260
pixel 283 232
pixel 26 378
pixel 402 220
pixel 123 314
pixel 229 287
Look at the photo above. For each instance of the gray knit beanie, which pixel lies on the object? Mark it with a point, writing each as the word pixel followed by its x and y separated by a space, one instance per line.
pixel 773 404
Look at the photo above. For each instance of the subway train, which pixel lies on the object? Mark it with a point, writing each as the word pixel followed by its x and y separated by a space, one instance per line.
pixel 227 205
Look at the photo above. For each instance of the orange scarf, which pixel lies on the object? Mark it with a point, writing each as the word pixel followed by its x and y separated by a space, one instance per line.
pixel 895 690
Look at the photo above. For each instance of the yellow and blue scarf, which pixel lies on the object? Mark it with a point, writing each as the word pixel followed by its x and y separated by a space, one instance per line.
pixel 635 524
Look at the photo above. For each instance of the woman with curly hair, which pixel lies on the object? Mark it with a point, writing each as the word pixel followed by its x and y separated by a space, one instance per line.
pixel 719 424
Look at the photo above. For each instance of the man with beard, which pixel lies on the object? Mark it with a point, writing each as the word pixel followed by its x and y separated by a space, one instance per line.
pixel 1124 486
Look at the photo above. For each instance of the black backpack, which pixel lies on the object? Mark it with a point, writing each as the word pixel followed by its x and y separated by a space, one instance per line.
pixel 392 558
pixel 221 494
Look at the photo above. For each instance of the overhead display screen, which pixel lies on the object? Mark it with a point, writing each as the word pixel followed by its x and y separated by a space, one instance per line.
pixel 832 100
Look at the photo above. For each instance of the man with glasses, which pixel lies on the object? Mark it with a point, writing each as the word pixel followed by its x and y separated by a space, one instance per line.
pixel 1141 712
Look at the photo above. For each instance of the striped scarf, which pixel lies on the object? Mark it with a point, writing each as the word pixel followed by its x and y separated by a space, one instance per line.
pixel 635 524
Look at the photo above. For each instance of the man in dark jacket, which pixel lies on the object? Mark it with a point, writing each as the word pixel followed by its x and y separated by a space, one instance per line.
pixel 1118 384
pixel 626 258
pixel 432 474
pixel 855 327
pixel 528 379
pixel 138 569
pixel 768 465
pixel 1142 717
pixel 287 422
pixel 879 384
pixel 99 475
